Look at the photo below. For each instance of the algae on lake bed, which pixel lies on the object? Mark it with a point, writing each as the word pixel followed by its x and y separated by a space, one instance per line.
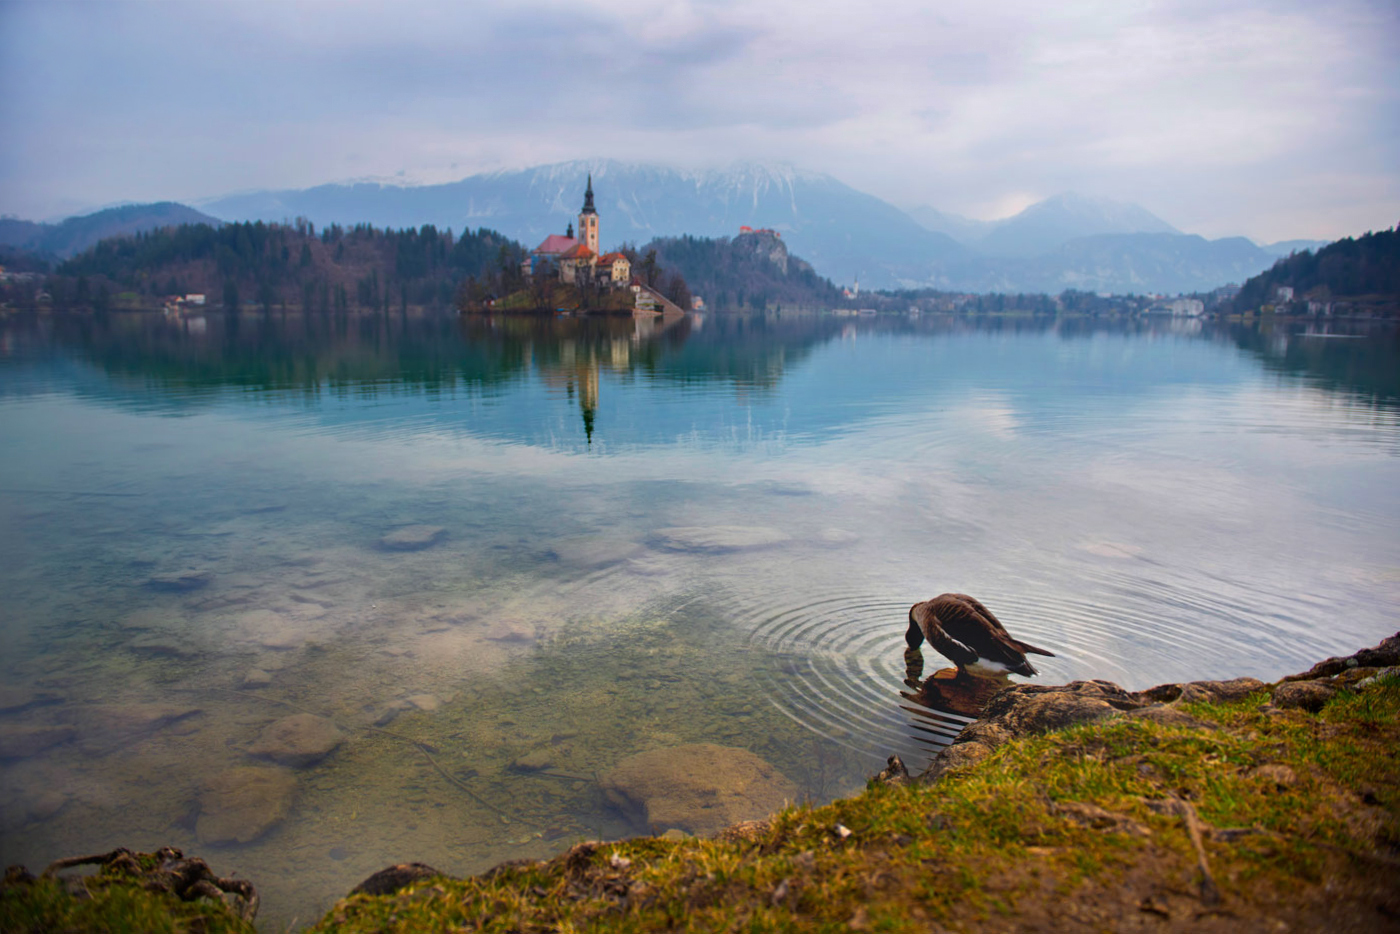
pixel 1301 819
pixel 1297 820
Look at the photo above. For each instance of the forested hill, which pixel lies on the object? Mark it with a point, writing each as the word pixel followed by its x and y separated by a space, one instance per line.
pixel 1363 272
pixel 61 241
pixel 752 270
pixel 273 265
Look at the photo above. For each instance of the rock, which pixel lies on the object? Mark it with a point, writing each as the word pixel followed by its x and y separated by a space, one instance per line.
pixel 955 756
pixel 163 644
pixel 1305 695
pixel 1164 715
pixel 412 537
pixel 391 879
pixel 1213 692
pixel 533 761
pixel 256 678
pixel 110 726
pixel 17 697
pixel 46 803
pixel 179 581
pixel 699 788
pixel 1028 709
pixel 18 741
pixel 720 539
pixel 1376 675
pixel 894 773
pixel 299 740
pixel 594 552
pixel 242 804
pixel 425 702
pixel 512 632
pixel 1381 656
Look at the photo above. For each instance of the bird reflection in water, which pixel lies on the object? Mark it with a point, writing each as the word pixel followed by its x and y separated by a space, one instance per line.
pixel 945 702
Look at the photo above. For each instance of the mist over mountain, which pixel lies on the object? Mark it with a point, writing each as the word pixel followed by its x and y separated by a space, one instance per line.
pixel 1044 226
pixel 1287 247
pixel 1134 263
pixel 844 233
pixel 76 234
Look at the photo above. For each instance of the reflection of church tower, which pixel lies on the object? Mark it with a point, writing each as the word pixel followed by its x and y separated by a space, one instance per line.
pixel 588 396
pixel 588 219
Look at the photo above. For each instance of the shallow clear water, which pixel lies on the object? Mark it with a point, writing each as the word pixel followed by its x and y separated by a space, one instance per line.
pixel 1152 501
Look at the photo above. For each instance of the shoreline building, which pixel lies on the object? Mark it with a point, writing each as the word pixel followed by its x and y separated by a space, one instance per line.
pixel 577 258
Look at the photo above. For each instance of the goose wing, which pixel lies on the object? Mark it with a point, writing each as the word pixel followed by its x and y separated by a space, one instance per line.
pixel 968 622
pixel 975 608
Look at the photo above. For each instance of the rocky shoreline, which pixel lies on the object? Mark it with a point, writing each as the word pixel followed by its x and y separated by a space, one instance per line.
pixel 1053 774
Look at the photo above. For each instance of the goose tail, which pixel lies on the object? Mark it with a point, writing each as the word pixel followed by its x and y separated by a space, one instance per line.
pixel 1036 650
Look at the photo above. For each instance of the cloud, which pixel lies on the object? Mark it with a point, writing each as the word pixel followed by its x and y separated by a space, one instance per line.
pixel 1274 119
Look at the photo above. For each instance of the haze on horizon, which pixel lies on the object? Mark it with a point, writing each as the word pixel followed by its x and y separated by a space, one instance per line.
pixel 1275 120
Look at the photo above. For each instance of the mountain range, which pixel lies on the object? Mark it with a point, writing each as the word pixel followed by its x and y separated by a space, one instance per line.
pixel 1068 241
pixel 76 234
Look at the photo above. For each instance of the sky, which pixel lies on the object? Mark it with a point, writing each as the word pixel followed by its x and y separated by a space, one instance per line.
pixel 1272 119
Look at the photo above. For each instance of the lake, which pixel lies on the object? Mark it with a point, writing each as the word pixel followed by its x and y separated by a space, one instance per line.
pixel 504 555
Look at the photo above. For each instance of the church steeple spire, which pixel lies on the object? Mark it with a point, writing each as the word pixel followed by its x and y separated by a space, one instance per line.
pixel 588 197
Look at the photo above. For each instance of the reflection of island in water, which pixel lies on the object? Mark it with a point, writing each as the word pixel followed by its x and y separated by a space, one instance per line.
pixel 579 356
pixel 944 702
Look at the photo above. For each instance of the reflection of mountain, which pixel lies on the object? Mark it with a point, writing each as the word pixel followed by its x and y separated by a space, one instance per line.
pixel 745 379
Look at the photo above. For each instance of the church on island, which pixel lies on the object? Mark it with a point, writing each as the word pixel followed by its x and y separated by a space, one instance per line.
pixel 577 258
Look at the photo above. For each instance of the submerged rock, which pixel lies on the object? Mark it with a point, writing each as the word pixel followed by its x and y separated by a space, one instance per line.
pixel 168 645
pixel 18 741
pixel 699 788
pixel 299 740
pixel 718 539
pixel 17 697
pixel 109 726
pixel 242 804
pixel 594 552
pixel 534 760
pixel 179 581
pixel 412 537
pixel 256 678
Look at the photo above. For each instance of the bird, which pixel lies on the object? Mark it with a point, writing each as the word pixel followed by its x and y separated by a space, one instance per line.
pixel 965 631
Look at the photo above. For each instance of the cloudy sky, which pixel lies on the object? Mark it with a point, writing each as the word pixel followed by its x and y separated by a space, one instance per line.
pixel 1270 118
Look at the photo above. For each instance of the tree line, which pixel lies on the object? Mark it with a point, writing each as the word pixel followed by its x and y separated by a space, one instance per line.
pixel 285 265
pixel 1360 268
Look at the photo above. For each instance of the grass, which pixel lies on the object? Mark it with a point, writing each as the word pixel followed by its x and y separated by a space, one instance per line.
pixel 1075 830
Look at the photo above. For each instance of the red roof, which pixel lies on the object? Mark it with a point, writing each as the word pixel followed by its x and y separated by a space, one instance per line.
pixel 610 258
pixel 555 244
pixel 577 251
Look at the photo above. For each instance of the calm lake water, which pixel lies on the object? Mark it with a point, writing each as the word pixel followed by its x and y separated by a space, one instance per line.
pixel 651 536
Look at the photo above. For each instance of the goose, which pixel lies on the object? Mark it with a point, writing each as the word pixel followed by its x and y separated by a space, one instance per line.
pixel 965 631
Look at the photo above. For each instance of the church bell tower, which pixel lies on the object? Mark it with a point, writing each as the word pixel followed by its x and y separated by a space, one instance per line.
pixel 588 219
